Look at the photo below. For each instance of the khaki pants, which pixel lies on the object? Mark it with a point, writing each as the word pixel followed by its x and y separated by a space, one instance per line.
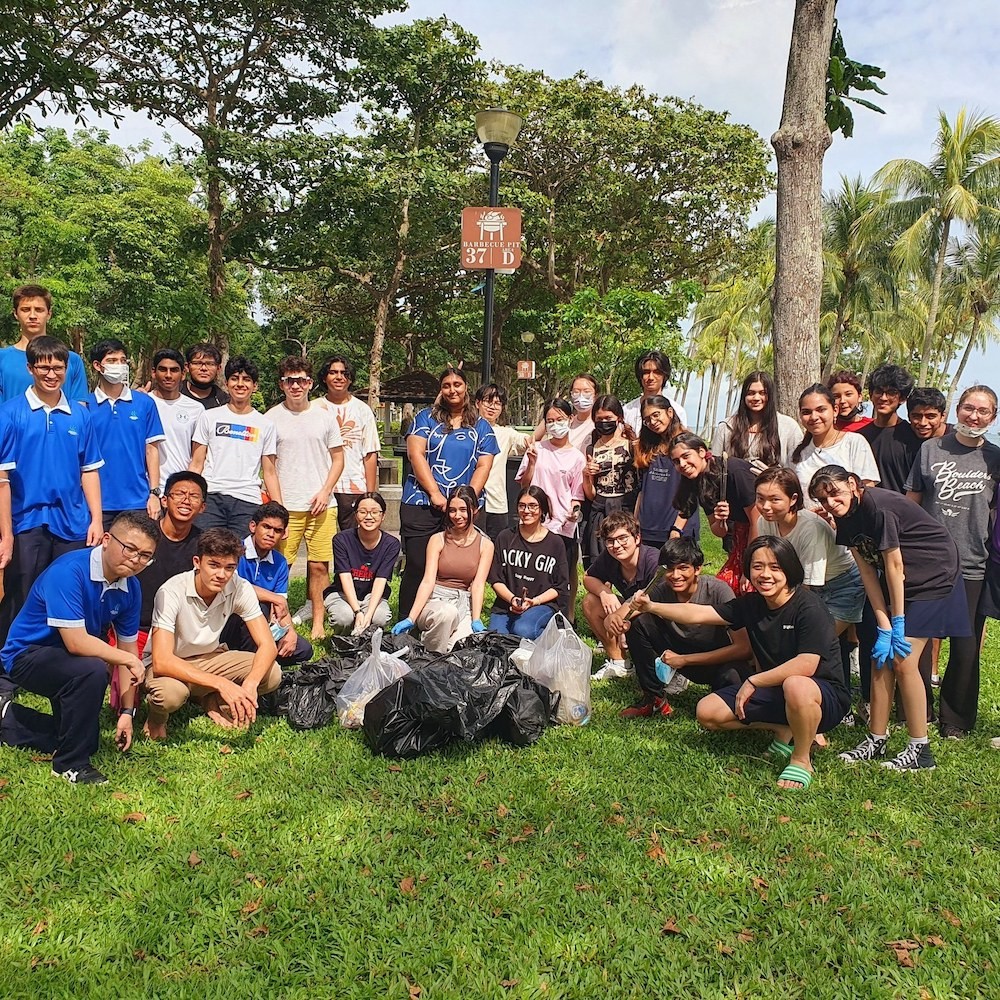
pixel 446 618
pixel 167 694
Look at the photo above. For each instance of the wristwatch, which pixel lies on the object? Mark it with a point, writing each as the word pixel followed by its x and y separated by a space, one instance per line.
pixel 155 492
pixel 130 712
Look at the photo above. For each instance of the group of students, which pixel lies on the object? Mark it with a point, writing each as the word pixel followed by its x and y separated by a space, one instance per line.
pixel 841 532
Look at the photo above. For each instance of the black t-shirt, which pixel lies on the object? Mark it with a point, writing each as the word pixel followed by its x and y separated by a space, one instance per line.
pixel 801 625
pixel 364 565
pixel 885 520
pixel 608 570
pixel 535 566
pixel 740 491
pixel 217 397
pixel 171 558
pixel 894 449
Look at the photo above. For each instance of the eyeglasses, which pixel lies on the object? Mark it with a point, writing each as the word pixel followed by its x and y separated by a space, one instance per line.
pixel 658 415
pixel 296 380
pixel 529 508
pixel 189 497
pixel 979 411
pixel 132 553
pixel 50 369
pixel 203 364
pixel 618 540
pixel 367 514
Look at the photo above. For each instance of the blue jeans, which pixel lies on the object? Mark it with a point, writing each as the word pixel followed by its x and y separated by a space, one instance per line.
pixel 528 625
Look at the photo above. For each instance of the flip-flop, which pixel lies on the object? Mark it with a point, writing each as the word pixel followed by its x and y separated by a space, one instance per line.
pixel 795 773
pixel 779 752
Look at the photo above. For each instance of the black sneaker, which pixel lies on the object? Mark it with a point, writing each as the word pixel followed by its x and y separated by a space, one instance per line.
pixel 916 757
pixel 849 720
pixel 868 749
pixel 86 775
pixel 952 732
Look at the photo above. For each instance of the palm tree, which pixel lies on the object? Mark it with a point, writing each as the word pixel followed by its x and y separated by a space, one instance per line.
pixel 857 262
pixel 960 184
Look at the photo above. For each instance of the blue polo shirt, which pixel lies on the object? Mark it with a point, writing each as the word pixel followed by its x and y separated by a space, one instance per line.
pixel 47 449
pixel 15 376
pixel 124 426
pixel 73 593
pixel 269 572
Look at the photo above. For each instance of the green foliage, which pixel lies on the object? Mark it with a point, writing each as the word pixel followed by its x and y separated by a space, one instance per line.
pixel 844 75
pixel 605 334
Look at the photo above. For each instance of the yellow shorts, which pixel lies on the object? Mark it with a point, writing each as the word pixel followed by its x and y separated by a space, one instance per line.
pixel 317 531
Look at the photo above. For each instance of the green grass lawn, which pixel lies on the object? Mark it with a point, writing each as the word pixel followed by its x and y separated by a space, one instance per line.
pixel 642 859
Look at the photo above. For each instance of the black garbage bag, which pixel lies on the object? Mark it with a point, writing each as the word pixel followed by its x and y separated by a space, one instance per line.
pixel 461 696
pixel 276 701
pixel 312 695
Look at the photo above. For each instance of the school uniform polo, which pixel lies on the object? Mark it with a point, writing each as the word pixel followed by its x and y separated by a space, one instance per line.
pixel 124 426
pixel 15 376
pixel 268 571
pixel 73 593
pixel 47 448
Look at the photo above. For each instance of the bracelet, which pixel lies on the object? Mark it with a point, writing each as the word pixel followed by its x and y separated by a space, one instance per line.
pixel 751 683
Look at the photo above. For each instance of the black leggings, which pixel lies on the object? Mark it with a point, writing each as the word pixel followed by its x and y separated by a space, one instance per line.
pixel 960 685
pixel 416 525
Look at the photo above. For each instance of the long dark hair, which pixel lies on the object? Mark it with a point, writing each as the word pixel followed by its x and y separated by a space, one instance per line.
pixel 740 422
pixel 468 496
pixel 706 490
pixel 613 405
pixel 816 389
pixel 442 415
pixel 649 444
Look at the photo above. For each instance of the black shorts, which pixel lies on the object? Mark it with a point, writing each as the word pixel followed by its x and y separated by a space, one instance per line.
pixel 767 704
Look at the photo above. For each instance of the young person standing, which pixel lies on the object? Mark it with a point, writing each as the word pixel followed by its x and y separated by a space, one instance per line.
pixel 491 401
pixel 33 310
pixel 202 367
pixel 926 409
pixel 757 431
pixel 845 388
pixel 128 430
pixel 892 440
pixel 310 460
pixel 652 372
pixel 234 448
pixel 178 413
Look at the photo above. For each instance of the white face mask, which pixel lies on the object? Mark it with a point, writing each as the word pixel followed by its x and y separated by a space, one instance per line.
pixel 582 401
pixel 970 432
pixel 557 428
pixel 115 372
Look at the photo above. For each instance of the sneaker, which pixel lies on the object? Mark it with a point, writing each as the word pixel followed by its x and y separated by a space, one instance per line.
pixel 916 757
pixel 855 663
pixel 952 732
pixel 646 709
pixel 868 749
pixel 303 615
pixel 849 720
pixel 86 775
pixel 935 680
pixel 995 742
pixel 863 713
pixel 611 668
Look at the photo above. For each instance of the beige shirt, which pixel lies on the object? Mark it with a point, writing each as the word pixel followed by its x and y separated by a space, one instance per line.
pixel 196 626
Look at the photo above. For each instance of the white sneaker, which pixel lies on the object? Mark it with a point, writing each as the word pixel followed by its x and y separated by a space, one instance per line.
pixel 303 615
pixel 995 742
pixel 611 668
pixel 855 664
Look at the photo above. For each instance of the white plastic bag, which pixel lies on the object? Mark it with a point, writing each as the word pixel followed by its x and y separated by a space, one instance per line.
pixel 562 661
pixel 378 671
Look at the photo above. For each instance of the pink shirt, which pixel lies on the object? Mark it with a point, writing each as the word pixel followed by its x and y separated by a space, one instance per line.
pixel 558 474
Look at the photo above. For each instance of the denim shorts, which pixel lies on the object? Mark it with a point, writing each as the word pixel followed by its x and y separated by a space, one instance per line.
pixel 844 596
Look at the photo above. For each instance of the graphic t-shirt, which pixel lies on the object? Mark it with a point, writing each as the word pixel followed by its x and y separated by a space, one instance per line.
pixel 801 625
pixel 558 473
pixel 178 417
pixel 618 476
pixel 886 520
pixel 895 449
pixel 304 439
pixel 452 456
pixel 530 566
pixel 957 484
pixel 236 443
pixel 364 565
pixel 608 570
pixel 359 432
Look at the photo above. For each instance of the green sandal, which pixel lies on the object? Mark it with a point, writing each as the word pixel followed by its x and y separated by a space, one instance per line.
pixel 779 752
pixel 795 773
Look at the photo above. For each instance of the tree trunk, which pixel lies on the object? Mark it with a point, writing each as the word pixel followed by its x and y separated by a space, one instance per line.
pixel 701 400
pixel 935 297
pixel 800 145
pixel 973 337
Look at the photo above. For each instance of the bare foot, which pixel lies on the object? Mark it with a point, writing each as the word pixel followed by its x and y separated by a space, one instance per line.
pixel 820 741
pixel 215 710
pixel 317 636
pixel 155 730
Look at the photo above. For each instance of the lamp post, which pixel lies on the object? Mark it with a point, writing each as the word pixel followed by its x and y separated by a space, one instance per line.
pixel 527 338
pixel 497 129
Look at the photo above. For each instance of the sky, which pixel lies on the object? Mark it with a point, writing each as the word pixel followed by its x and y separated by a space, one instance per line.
pixel 731 55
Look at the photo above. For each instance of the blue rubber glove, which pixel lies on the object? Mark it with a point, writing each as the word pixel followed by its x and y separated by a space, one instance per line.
pixel 478 626
pixel 901 648
pixel 400 627
pixel 882 650
pixel 664 672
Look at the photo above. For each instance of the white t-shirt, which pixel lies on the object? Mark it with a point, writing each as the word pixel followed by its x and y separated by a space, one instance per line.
pixel 304 442
pixel 511 442
pixel 359 431
pixel 852 452
pixel 633 412
pixel 179 417
pixel 236 442
pixel 815 544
